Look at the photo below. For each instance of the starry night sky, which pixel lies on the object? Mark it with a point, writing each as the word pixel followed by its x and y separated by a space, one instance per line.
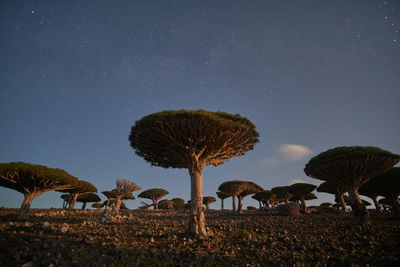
pixel 311 75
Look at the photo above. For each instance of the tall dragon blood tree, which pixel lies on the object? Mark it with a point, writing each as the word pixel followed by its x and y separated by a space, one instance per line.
pixel 337 190
pixel 33 180
pixel 192 139
pixel 351 167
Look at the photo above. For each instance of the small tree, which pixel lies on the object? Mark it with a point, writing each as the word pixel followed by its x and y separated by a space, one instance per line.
pixel 222 195
pixel 234 188
pixel 179 203
pixel 371 189
pixel 192 140
pixel 166 204
pixel 97 205
pixel 87 197
pixel 110 195
pixel 337 190
pixel 388 184
pixel 282 193
pixel 154 194
pixel 33 180
pixel 207 201
pixel 123 190
pixel 66 199
pixel 300 190
pixel 81 188
pixel 351 167
pixel 113 203
pixel 250 189
pixel 263 197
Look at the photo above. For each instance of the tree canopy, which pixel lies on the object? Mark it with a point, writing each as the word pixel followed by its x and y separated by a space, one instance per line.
pixel 282 193
pixel 154 193
pixel 208 200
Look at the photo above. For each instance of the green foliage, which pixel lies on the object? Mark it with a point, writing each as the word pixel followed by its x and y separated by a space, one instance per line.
pixel 207 200
pixel 169 138
pixel 88 197
pixel 348 153
pixel 179 202
pixel 264 195
pixel 22 176
pixel 331 188
pixel 301 189
pixel 310 196
pixel 223 195
pixel 154 193
pixel 237 187
pixel 282 192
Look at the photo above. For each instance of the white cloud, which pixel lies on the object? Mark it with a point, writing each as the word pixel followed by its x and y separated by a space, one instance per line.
pixel 295 181
pixel 292 152
pixel 270 161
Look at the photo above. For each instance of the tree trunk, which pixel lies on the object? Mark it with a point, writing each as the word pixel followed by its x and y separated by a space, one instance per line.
pixel 155 204
pixel 341 202
pixel 240 204
pixel 233 203
pixel 222 204
pixel 107 204
pixel 26 204
pixel 260 205
pixel 377 206
pixel 197 222
pixel 84 206
pixel 73 200
pixel 118 201
pixel 359 210
pixel 207 206
pixel 303 206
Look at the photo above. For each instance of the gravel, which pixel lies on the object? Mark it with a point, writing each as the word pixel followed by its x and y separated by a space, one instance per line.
pixel 56 237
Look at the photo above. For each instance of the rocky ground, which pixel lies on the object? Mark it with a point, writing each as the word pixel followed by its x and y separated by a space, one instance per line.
pixel 144 238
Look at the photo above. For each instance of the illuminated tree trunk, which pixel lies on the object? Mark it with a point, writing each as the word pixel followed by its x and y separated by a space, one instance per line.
pixel 234 203
pixel 359 210
pixel 26 204
pixel 118 201
pixel 197 222
pixel 107 204
pixel 155 204
pixel 73 200
pixel 240 204
pixel 341 201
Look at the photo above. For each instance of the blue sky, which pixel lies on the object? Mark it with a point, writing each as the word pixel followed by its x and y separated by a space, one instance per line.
pixel 311 75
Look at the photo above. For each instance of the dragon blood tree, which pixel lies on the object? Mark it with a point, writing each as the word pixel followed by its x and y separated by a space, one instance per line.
pixel 97 205
pixel 124 191
pixel 351 167
pixel 192 139
pixel 263 197
pixel 87 197
pixel 207 201
pixel 300 191
pixel 335 189
pixel 250 189
pixel 222 195
pixel 154 194
pixel 388 184
pixel 81 188
pixel 372 189
pixel 233 188
pixel 33 180
pixel 282 193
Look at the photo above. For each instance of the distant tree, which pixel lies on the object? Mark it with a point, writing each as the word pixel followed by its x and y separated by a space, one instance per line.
pixel 326 204
pixel 166 204
pixel 351 167
pixel 388 184
pixel 310 196
pixel 32 181
pixel 154 194
pixel 251 208
pixel 97 205
pixel 251 188
pixel 192 140
pixel 207 201
pixel 179 203
pixel 371 189
pixel 87 197
pixel 300 190
pixel 235 188
pixel 263 197
pixel 337 190
pixel 282 193
pixel 222 196
pixel 81 188
pixel 124 189
pixel 110 195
